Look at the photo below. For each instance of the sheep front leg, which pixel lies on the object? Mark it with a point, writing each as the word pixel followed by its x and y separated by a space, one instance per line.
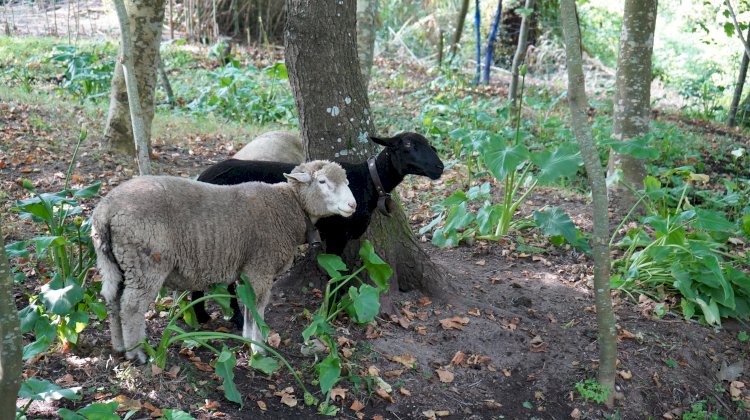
pixel 250 329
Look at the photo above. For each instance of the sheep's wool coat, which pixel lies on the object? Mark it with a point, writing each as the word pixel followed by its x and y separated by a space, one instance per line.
pixel 277 146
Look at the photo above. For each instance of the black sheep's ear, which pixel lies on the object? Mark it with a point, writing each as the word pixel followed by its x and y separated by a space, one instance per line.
pixel 387 142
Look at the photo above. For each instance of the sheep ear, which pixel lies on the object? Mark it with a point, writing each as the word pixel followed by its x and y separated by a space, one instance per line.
pixel 302 177
pixel 387 142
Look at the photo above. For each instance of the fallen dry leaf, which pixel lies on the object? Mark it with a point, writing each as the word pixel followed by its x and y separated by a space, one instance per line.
pixel 373 371
pixel 492 404
pixel 211 405
pixel 357 405
pixel 262 405
pixel 372 332
pixel 289 400
pixel 404 391
pixel 507 373
pixel 458 358
pixel 338 392
pixel 393 373
pixel 66 380
pixel 424 301
pixel 405 310
pixel 377 417
pixel 384 395
pixel 442 413
pixel 404 322
pixel 126 404
pixel 445 376
pixel 455 323
pixel 173 371
pixel 421 330
pixel 405 359
pixel 474 312
pixel 625 374
pixel 274 340
pixel 203 366
pixel 575 414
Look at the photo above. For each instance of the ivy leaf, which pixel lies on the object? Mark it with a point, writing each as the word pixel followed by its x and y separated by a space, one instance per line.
pixel 225 364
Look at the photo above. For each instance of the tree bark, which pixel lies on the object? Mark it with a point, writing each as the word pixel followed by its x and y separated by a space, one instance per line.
pixel 367 14
pixel 478 40
pixel 460 20
pixel 11 346
pixel 732 120
pixel 520 55
pixel 600 250
pixel 336 123
pixel 145 18
pixel 632 106
pixel 136 111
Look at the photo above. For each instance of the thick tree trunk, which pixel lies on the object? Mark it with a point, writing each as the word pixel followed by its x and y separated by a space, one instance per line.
pixel 367 16
pixel 632 105
pixel 460 21
pixel 600 249
pixel 520 55
pixel 336 122
pixel 145 18
pixel 10 339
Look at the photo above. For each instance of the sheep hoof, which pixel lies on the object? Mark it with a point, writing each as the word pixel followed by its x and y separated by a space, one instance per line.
pixel 136 356
pixel 257 349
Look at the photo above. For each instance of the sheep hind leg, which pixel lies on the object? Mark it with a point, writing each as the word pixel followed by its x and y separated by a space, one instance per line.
pixel 115 325
pixel 133 307
pixel 250 328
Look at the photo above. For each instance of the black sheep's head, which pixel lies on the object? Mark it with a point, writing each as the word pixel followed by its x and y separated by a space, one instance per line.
pixel 412 154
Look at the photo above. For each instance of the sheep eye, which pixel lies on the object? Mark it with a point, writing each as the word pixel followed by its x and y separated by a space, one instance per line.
pixel 322 181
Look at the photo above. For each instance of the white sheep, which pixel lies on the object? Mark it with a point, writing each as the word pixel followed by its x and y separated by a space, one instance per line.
pixel 155 231
pixel 277 146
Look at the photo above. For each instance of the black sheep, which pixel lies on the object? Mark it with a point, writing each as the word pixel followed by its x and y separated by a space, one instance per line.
pixel 404 154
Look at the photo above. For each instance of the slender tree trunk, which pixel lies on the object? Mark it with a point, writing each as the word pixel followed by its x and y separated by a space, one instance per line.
pixel 367 16
pixel 336 123
pixel 142 149
pixel 600 249
pixel 732 121
pixel 145 18
pixel 632 107
pixel 743 70
pixel 520 55
pixel 489 54
pixel 460 20
pixel 10 339
pixel 165 83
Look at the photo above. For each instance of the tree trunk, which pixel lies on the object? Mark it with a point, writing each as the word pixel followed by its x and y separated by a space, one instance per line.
pixel 136 111
pixel 632 106
pixel 367 14
pixel 478 40
pixel 600 249
pixel 520 55
pixel 336 123
pixel 489 54
pixel 10 339
pixel 145 18
pixel 460 20
pixel 732 120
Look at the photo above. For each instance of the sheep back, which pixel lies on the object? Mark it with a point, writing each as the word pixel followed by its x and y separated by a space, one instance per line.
pixel 277 146
pixel 199 233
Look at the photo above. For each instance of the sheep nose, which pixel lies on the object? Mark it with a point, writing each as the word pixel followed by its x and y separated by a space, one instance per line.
pixel 353 205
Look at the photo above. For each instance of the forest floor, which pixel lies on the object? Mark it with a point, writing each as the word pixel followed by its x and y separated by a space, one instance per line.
pixel 513 343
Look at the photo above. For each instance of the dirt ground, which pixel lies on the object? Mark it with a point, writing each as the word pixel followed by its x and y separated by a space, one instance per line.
pixel 523 335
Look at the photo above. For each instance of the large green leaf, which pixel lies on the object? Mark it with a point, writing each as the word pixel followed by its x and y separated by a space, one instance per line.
pixel 713 221
pixel 488 217
pixel 88 192
pixel 502 159
pixel 636 147
pixel 17 249
pixel 265 364
pixel 333 264
pixel 247 296
pixel 456 198
pixel 58 297
pixel 175 414
pixel 458 218
pixel 318 326
pixel 445 239
pixel 329 372
pixel 34 348
pixel 224 367
pixel 43 243
pixel 563 161
pixel 554 222
pixel 365 302
pixel 710 311
pixel 28 317
pixel 378 269
pixel 95 411
pixel 41 390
